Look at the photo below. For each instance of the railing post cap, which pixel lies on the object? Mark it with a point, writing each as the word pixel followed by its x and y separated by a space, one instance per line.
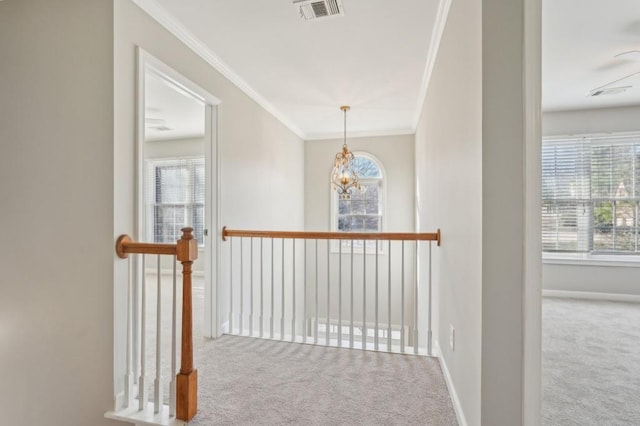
pixel 120 246
pixel 187 233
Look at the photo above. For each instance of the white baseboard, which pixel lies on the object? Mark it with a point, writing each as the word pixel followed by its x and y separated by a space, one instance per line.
pixel 457 407
pixel 591 295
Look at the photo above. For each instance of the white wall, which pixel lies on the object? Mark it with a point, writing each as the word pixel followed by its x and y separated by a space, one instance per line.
pixel 174 148
pixel 579 122
pixel 262 161
pixel 598 278
pixel 449 175
pixel 396 155
pixel 470 170
pixel 56 187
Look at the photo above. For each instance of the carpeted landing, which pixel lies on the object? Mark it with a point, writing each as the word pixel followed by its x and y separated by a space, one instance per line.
pixel 590 363
pixel 248 381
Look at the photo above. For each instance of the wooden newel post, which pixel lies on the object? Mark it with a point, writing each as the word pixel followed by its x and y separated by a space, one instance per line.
pixel 187 379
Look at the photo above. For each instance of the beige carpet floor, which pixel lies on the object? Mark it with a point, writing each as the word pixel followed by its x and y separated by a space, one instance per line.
pixel 590 363
pixel 248 381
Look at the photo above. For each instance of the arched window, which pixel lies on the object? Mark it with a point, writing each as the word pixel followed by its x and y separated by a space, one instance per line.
pixel 364 212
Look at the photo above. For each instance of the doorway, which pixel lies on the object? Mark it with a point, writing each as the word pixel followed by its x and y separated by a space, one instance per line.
pixel 177 177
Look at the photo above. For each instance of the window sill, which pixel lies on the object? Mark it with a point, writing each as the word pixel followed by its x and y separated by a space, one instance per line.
pixel 627 261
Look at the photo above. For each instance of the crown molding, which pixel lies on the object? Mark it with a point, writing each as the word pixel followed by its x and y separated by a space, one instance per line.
pixel 434 45
pixel 168 21
pixel 360 134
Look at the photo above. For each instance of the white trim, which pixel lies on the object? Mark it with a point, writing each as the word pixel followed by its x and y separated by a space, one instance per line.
pixel 457 406
pixel 216 303
pixel 621 261
pixel 592 295
pixel 359 134
pixel 145 417
pixel 212 147
pixel 432 54
pixel 164 18
pixel 602 135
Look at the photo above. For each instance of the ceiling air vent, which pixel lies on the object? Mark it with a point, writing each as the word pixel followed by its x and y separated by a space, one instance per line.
pixel 316 9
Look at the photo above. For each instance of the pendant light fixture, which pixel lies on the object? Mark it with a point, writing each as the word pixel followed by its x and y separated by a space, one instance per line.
pixel 344 177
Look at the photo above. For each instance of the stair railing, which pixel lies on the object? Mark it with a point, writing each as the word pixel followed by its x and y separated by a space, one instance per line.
pixel 183 386
pixel 344 289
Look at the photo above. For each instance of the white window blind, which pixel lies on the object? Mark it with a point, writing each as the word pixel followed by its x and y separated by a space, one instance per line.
pixel 175 189
pixel 590 194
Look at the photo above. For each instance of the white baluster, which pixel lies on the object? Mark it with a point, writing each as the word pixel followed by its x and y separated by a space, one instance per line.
pixel 231 286
pixel 429 335
pixel 402 302
pixel 157 395
pixel 261 290
pixel 364 294
pixel 389 300
pixel 272 293
pixel 415 301
pixel 282 301
pixel 315 325
pixel 174 346
pixel 251 290
pixel 375 338
pixel 351 301
pixel 305 324
pixel 293 289
pixel 128 376
pixel 142 381
pixel 328 325
pixel 240 320
pixel 339 293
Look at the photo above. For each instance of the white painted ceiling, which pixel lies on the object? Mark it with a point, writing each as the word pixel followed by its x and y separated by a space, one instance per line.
pixel 579 44
pixel 373 58
pixel 170 112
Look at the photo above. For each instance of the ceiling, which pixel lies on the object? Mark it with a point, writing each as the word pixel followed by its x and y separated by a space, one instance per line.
pixel 376 57
pixel 373 58
pixel 580 39
pixel 170 112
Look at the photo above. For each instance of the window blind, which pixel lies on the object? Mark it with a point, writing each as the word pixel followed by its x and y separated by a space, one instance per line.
pixel 175 199
pixel 590 194
pixel 565 195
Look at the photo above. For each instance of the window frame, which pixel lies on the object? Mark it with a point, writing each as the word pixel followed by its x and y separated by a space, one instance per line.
pixel 382 201
pixel 592 256
pixel 151 166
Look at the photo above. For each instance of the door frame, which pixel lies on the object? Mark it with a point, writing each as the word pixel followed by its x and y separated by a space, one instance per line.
pixel 212 174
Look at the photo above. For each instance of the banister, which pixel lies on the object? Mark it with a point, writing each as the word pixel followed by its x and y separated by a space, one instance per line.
pixel 186 251
pixel 315 235
pixel 126 245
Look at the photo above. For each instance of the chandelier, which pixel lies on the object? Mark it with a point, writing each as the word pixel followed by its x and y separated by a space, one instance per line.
pixel 343 176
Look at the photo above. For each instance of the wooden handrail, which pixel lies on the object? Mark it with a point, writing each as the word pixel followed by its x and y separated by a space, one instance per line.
pixel 186 251
pixel 313 235
pixel 126 245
